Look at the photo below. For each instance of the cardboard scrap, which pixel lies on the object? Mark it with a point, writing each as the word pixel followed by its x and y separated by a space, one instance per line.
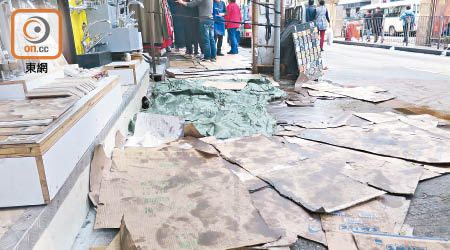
pixel 378 117
pixel 377 171
pixel 189 142
pixel 317 93
pixel 163 126
pixel 181 194
pixel 385 214
pixel 252 182
pixel 120 140
pixel 191 130
pixel 395 139
pixel 386 241
pixel 257 153
pixel 361 93
pixel 100 162
pixel 317 187
pixel 430 172
pixel 287 218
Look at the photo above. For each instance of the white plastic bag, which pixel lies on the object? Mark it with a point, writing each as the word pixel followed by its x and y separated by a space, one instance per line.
pixel 330 36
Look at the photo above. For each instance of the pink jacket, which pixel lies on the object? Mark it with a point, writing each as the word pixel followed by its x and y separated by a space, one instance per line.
pixel 234 15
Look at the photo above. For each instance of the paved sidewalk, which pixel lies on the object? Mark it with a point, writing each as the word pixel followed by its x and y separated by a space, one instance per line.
pixel 396 46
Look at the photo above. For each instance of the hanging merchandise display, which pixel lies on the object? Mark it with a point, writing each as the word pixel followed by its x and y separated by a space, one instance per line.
pixel 162 26
pixel 306 42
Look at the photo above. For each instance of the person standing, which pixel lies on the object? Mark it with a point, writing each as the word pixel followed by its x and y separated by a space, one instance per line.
pixel 205 9
pixel 233 20
pixel 321 21
pixel 178 26
pixel 377 23
pixel 219 13
pixel 310 11
pixel 368 24
pixel 408 18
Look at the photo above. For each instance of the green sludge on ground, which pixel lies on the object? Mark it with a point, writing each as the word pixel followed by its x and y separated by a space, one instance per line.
pixel 215 112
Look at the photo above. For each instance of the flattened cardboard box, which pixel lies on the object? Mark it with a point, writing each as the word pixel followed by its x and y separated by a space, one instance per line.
pixel 179 200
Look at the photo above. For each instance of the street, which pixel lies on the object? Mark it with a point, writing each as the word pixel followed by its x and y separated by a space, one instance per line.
pixel 413 77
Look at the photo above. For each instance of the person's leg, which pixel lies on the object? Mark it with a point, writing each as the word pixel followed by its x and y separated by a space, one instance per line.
pixel 204 33
pixel 405 32
pixel 219 45
pixel 322 38
pixel 232 35
pixel 212 43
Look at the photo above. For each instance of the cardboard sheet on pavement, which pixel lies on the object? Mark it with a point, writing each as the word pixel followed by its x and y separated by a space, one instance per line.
pixel 100 162
pixel 377 171
pixel 382 242
pixel 317 93
pixel 395 139
pixel 287 218
pixel 182 194
pixel 120 139
pixel 385 214
pixel 316 187
pixel 361 93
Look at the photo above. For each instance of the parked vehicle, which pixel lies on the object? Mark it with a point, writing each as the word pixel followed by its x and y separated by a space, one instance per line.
pixel 392 11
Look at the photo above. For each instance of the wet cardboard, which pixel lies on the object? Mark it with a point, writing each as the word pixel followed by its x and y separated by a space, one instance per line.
pixel 377 171
pixel 361 93
pixel 317 187
pixel 257 154
pixel 394 139
pixel 385 214
pixel 179 200
pixel 382 242
pixel 287 218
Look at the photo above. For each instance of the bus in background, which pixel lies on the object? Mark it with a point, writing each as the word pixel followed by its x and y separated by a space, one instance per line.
pixel 392 12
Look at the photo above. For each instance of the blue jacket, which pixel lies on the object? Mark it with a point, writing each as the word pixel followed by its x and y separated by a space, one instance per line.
pixel 219 27
pixel 408 13
pixel 310 13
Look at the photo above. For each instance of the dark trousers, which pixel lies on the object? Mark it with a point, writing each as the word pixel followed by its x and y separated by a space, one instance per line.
pixel 234 40
pixel 219 41
pixel 190 37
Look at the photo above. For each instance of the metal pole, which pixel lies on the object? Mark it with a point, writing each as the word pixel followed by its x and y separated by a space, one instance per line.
pixel 276 59
pixel 152 42
pixel 440 31
pixel 255 17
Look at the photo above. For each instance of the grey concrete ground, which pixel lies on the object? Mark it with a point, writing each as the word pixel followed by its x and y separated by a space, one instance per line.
pixel 415 78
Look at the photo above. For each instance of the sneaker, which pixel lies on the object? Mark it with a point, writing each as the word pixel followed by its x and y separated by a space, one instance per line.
pixel 201 56
pixel 205 60
pixel 213 60
pixel 321 50
pixel 231 53
pixel 220 54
